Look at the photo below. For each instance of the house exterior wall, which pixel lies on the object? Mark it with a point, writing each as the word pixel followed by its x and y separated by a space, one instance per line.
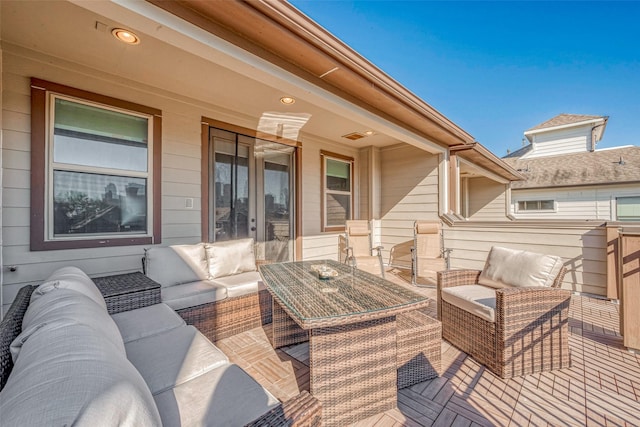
pixel 590 203
pixel 582 245
pixel 409 179
pixel 563 141
pixel 181 166
pixel 486 199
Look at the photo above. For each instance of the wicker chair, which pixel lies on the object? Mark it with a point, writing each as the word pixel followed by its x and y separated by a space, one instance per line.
pixel 530 329
pixel 356 247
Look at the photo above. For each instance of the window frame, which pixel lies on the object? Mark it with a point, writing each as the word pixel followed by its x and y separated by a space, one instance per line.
pixel 618 208
pixel 41 235
pixel 326 155
pixel 539 202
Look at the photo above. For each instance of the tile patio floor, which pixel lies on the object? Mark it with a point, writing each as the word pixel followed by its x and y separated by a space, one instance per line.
pixel 602 388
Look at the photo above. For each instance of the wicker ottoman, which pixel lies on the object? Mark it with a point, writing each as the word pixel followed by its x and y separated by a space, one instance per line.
pixel 419 339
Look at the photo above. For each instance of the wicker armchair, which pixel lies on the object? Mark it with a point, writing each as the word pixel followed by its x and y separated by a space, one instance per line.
pixel 529 333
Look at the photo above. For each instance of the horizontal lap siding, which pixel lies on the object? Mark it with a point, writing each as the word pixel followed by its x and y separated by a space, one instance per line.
pixel 324 246
pixel 487 199
pixel 409 180
pixel 583 249
pixel 180 171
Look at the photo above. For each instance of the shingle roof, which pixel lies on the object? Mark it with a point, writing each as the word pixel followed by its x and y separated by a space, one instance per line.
pixel 564 119
pixel 594 167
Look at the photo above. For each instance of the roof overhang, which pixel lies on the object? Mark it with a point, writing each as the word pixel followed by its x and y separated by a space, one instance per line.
pixel 480 156
pixel 276 31
pixel 598 124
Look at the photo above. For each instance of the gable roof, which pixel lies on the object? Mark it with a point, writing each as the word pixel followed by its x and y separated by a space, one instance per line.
pixel 564 119
pixel 588 168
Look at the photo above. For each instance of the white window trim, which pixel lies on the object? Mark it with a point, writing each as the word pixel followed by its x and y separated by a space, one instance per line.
pixel 534 211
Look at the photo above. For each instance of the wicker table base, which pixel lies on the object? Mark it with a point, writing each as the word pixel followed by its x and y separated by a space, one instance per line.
pixel 419 341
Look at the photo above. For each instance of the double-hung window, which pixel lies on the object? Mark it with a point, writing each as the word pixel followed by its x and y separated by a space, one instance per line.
pixel 99 180
pixel 337 189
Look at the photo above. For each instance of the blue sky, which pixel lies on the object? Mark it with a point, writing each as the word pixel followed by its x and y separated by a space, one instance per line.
pixel 499 68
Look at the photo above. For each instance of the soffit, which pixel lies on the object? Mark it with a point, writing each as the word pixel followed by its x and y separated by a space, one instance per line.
pixel 277 32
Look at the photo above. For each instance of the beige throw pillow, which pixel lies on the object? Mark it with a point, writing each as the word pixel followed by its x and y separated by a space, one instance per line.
pixel 516 268
pixel 231 257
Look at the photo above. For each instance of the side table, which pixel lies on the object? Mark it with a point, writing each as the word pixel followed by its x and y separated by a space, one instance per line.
pixel 124 292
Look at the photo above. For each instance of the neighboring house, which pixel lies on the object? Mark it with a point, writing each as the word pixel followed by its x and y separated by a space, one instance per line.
pixel 222 120
pixel 568 178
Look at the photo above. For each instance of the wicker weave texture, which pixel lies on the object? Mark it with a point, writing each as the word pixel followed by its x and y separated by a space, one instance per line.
pixel 300 411
pixel 285 330
pixel 230 316
pixel 419 353
pixel 124 292
pixel 530 333
pixel 353 370
pixel 10 328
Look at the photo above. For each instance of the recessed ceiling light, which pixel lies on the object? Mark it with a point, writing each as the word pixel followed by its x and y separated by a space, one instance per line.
pixel 369 132
pixel 287 100
pixel 125 36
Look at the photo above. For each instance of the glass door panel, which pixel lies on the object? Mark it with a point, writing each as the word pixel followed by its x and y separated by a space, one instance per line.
pixel 251 193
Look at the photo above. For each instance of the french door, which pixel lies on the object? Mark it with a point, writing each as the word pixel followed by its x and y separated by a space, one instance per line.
pixel 251 193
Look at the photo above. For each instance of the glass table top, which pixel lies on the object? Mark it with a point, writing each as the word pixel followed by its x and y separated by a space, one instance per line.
pixel 350 293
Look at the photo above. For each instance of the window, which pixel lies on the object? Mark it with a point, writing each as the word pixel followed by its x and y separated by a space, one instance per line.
pixel 95 169
pixel 536 205
pixel 337 191
pixel 628 208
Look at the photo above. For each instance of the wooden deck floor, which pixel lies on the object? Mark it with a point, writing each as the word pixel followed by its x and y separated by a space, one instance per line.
pixel 602 388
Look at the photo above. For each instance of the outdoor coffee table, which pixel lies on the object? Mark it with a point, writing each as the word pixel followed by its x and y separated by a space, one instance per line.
pixel 350 322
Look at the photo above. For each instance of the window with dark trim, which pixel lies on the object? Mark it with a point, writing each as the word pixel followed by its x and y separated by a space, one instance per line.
pixel 337 191
pixel 95 167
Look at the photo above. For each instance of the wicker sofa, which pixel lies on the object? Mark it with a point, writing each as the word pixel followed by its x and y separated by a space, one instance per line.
pixel 66 361
pixel 511 316
pixel 213 286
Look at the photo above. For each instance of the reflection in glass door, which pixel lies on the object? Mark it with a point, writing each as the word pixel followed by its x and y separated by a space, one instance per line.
pixel 251 193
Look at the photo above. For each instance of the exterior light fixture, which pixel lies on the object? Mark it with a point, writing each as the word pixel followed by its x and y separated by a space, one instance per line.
pixel 125 36
pixel 287 100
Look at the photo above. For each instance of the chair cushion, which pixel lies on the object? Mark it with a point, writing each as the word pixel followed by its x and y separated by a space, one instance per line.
pixel 475 299
pixel 67 374
pixel 146 321
pixel 177 264
pixel 241 284
pixel 174 357
pixel 231 257
pixel 192 294
pixel 70 278
pixel 62 307
pixel 225 396
pixel 427 227
pixel 516 268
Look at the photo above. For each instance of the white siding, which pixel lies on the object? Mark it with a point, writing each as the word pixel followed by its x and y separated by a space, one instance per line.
pixel 323 246
pixel 409 192
pixel 583 247
pixel 486 199
pixel 573 140
pixel 180 170
pixel 589 203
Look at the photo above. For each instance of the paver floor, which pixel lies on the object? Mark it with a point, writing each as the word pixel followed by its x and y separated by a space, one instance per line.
pixel 602 387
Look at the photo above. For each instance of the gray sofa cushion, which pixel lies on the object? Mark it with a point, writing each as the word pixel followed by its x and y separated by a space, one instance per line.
pixel 193 294
pixel 241 284
pixel 475 299
pixel 65 307
pixel 70 278
pixel 174 357
pixel 230 257
pixel 146 321
pixel 67 374
pixel 226 396
pixel 177 264
pixel 516 268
